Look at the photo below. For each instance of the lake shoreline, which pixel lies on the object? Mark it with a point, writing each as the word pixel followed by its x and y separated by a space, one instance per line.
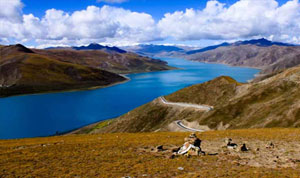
pixel 61 114
pixel 81 130
pixel 127 79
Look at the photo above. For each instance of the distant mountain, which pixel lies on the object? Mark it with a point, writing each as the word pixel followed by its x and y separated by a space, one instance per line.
pixel 92 46
pixel 266 55
pixel 158 48
pixel 155 50
pixel 258 42
pixel 207 48
pixel 95 46
pixel 261 42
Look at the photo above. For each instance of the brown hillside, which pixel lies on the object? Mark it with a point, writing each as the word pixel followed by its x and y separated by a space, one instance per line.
pixel 24 72
pixel 269 59
pixel 273 102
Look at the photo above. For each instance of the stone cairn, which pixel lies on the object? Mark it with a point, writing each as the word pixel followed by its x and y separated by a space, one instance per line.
pixel 192 146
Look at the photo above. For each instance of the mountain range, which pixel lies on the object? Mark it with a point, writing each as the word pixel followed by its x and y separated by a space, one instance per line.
pixel 95 46
pixel 269 56
pixel 156 50
pixel 92 46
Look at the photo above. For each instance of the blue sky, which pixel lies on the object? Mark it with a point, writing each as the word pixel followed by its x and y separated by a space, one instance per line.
pixel 189 22
pixel 157 8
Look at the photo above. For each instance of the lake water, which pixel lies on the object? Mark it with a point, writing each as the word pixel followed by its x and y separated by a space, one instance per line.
pixel 46 114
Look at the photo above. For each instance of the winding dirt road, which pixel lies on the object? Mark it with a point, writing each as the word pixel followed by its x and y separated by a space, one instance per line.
pixel 187 105
pixel 180 124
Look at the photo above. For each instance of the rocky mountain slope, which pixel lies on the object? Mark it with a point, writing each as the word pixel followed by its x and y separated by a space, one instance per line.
pixel 273 102
pixel 266 55
pixel 24 70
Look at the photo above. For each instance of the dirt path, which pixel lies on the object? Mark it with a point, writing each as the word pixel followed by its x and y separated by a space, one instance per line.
pixel 187 105
pixel 186 128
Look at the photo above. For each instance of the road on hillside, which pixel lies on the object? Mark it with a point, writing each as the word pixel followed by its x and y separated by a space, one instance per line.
pixel 196 106
pixel 179 124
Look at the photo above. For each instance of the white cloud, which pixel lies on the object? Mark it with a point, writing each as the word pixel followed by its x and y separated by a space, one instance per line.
pixel 243 19
pixel 112 1
pixel 11 10
pixel 118 26
pixel 94 24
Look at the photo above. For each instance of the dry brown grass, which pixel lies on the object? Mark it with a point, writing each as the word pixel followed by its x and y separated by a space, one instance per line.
pixel 116 155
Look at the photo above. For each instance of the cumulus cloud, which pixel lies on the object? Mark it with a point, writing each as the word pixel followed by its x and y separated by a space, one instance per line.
pixel 243 19
pixel 93 24
pixel 11 10
pixel 118 26
pixel 112 1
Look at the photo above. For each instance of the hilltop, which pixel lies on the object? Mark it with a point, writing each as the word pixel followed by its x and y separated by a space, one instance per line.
pixel 27 71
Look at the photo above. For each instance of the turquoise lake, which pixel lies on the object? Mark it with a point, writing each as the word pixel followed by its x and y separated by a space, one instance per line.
pixel 47 114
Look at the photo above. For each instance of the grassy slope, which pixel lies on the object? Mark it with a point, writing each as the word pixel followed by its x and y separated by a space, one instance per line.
pixel 117 155
pixel 273 102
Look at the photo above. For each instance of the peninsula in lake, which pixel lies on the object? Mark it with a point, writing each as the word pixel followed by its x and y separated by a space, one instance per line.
pixel 29 71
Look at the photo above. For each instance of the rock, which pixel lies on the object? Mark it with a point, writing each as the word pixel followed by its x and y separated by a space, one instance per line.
pixel 195 151
pixel 172 156
pixel 244 148
pixel 270 146
pixel 193 139
pixel 185 148
pixel 229 144
pixel 159 148
pixel 180 168
pixel 175 149
pixel 191 147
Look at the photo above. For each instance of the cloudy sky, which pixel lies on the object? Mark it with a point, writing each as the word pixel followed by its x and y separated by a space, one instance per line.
pixel 127 22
